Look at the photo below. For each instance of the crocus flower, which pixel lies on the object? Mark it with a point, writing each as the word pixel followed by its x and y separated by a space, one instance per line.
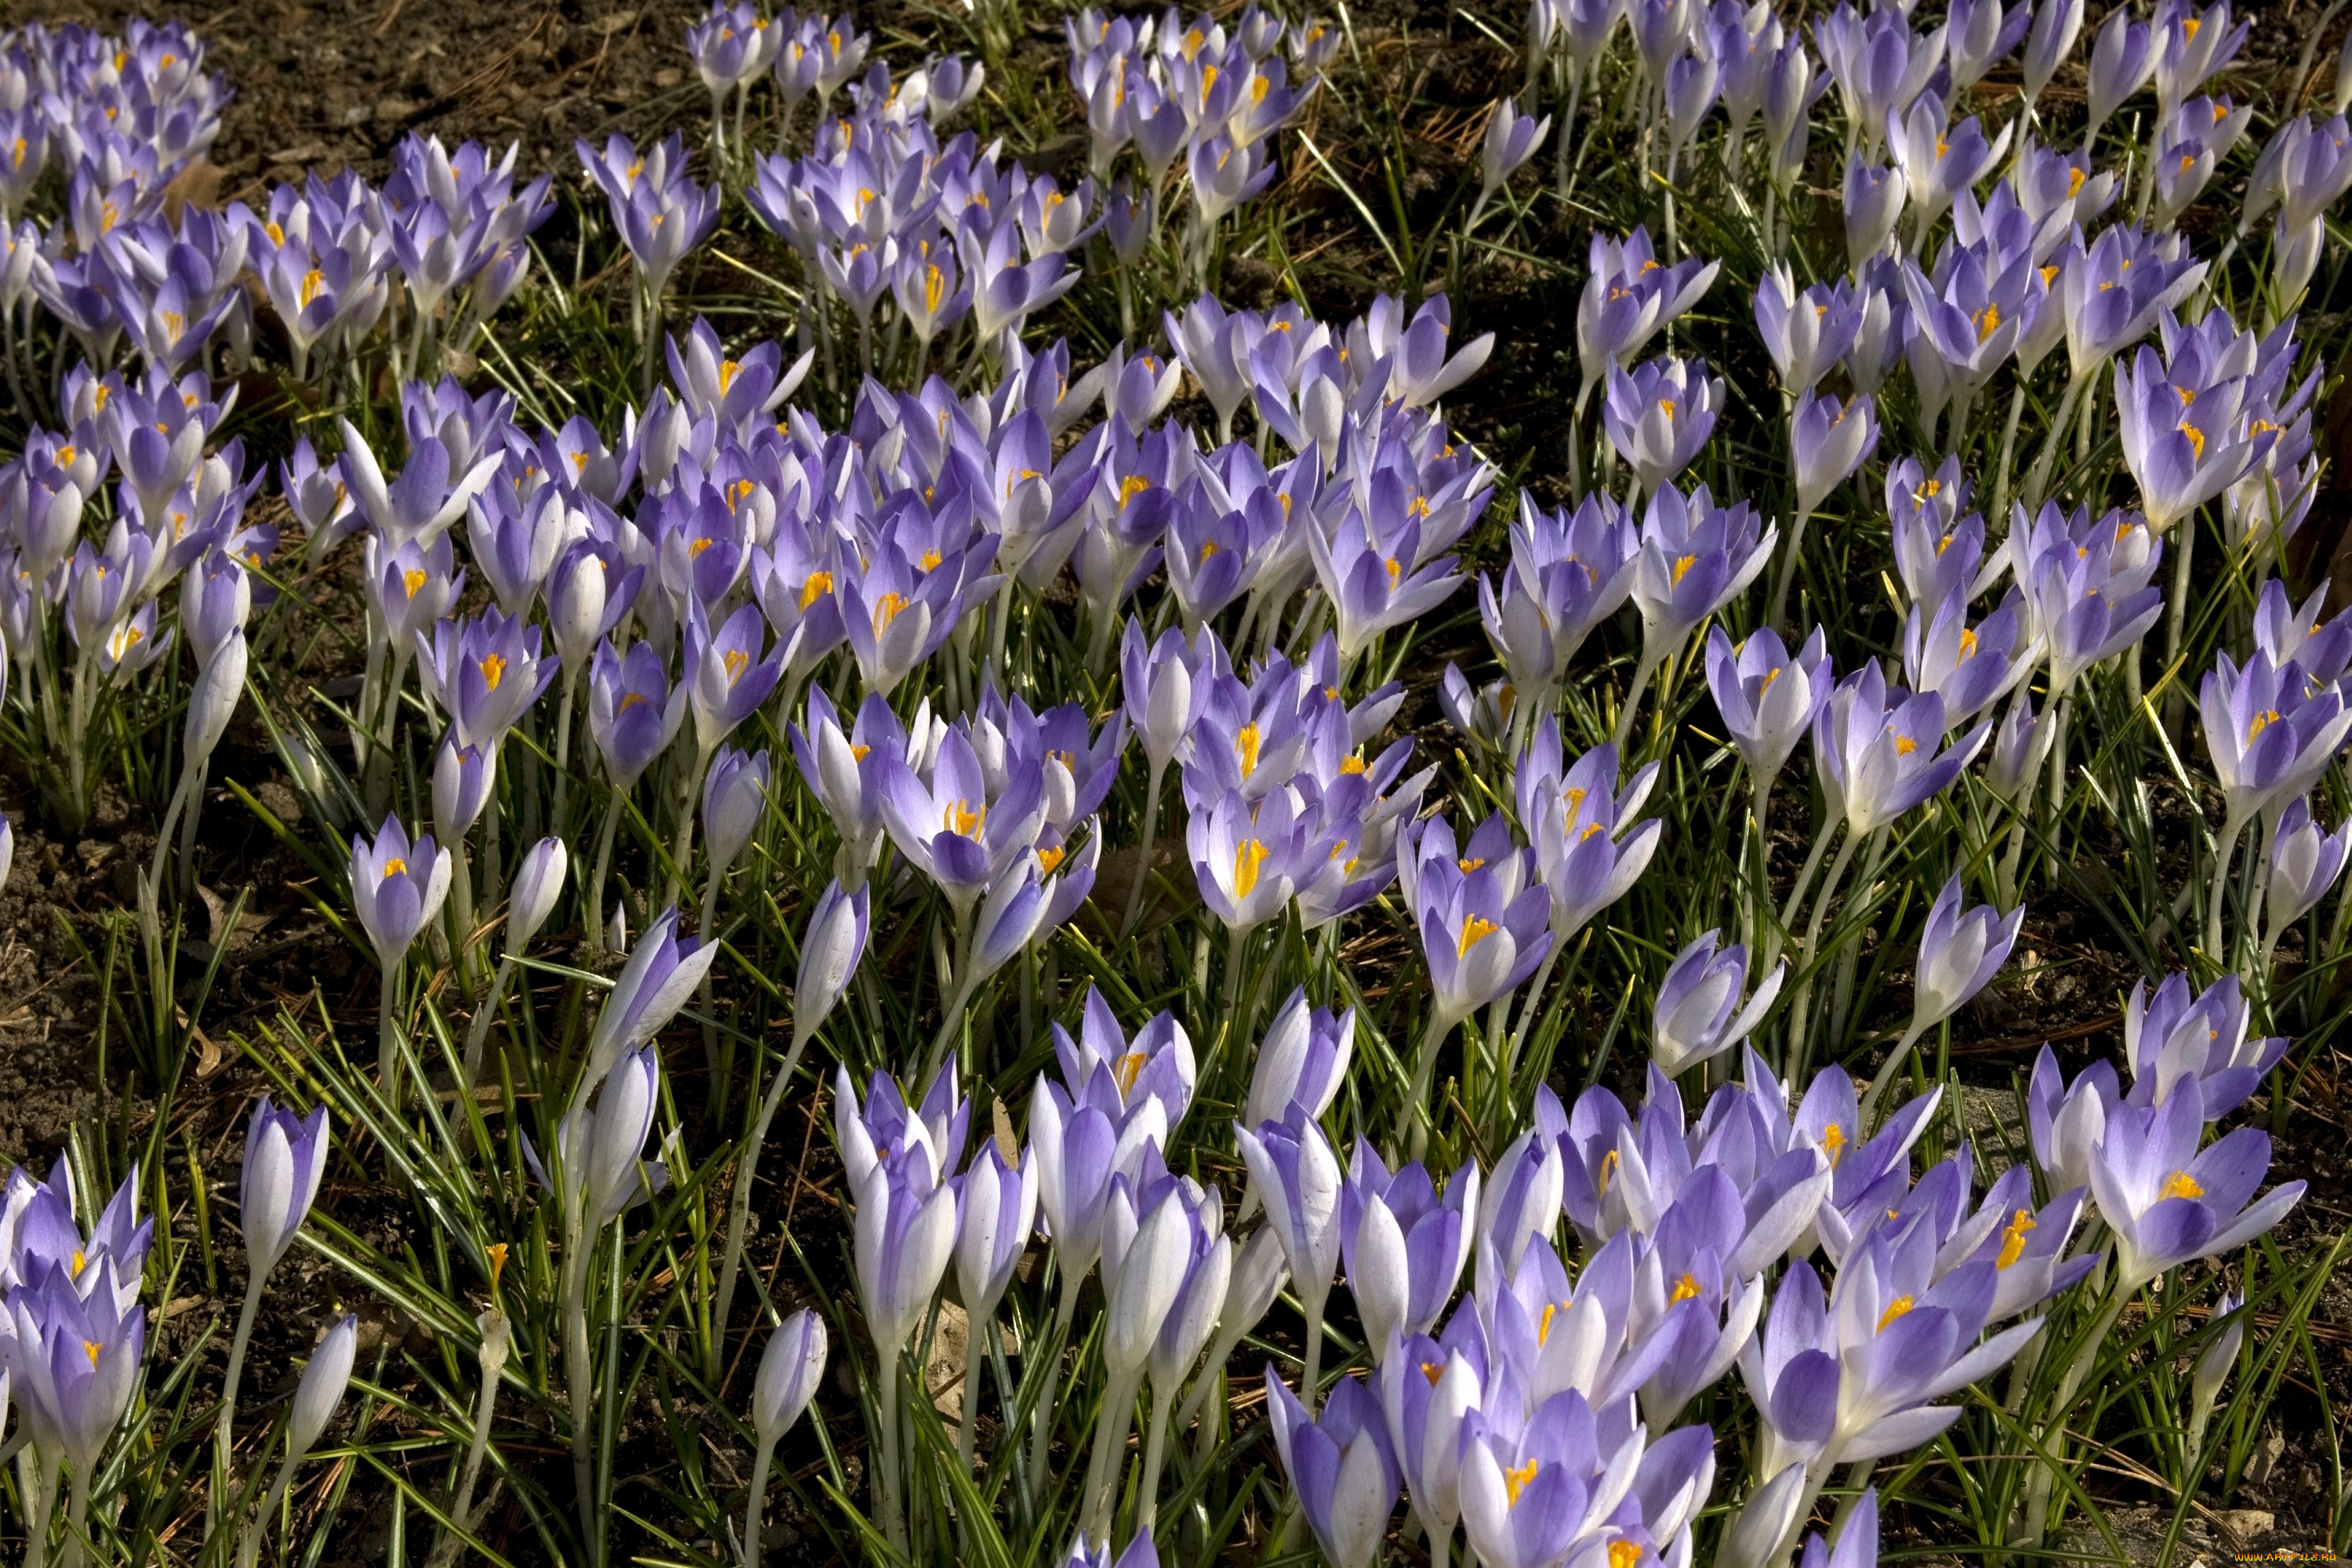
pixel 1140 1553
pixel 1484 923
pixel 790 1369
pixel 285 1155
pixel 1696 556
pixel 1969 668
pixel 951 827
pixel 1698 1013
pixel 1628 295
pixel 1876 762
pixel 1569 570
pixel 1342 1469
pixel 1806 333
pixel 324 1382
pixel 484 673
pixel 1163 698
pixel 2268 734
pixel 1250 857
pixel 1590 849
pixel 2087 586
pixel 397 887
pixel 2175 1036
pixel 2183 444
pixel 2304 864
pixel 2066 1122
pixel 1960 952
pixel 75 1362
pixel 462 781
pixel 1766 697
pixel 1660 416
pixel 634 712
pixel 1302 1061
pixel 1828 440
pixel 1403 1244
pixel 1103 1068
pixel 662 972
pixel 724 674
pixel 1873 204
pixel 2169 1204
pixel 2114 292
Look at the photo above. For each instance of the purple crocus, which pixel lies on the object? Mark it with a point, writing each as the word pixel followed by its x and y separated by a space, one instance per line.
pixel 2175 1035
pixel 396 887
pixel 1960 950
pixel 634 712
pixel 1876 762
pixel 1482 915
pixel 1590 848
pixel 1828 440
pixel 484 673
pixel 285 1155
pixel 1766 697
pixel 956 828
pixel 1342 1469
pixel 663 970
pixel 1806 333
pixel 2304 863
pixel 1698 1013
pixel 1696 556
pixel 1659 416
pixel 1569 570
pixel 76 1360
pixel 2169 1204
pixel 1294 1173
pixel 725 677
pixel 1403 1244
pixel 1628 295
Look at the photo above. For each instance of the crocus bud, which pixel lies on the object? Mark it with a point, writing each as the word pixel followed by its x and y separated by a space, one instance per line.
pixel 652 986
pixel 830 950
pixel 734 794
pixel 2304 863
pixel 1144 1285
pixel 462 780
pixel 617 1137
pixel 1511 139
pixel 214 698
pixel 537 883
pixel 790 1369
pixel 2057 26
pixel 8 848
pixel 285 1155
pixel 1765 1522
pixel 214 598
pixel 1828 440
pixel 2013 745
pixel 322 1385
pixel 1959 953
pixel 2213 1366
pixel 1874 205
pixel 996 1208
pixel 1698 1014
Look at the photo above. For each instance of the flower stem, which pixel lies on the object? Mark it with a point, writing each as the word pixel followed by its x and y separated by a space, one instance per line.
pixel 739 1208
pixel 1413 1117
